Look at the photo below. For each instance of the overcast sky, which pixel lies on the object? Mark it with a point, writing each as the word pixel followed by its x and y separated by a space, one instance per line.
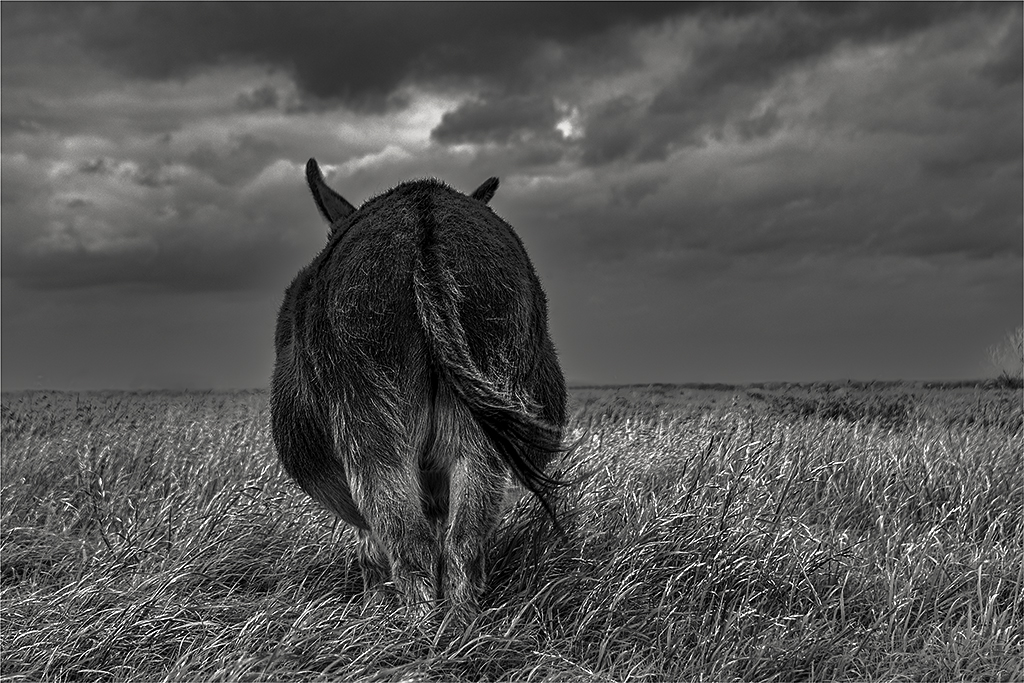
pixel 710 193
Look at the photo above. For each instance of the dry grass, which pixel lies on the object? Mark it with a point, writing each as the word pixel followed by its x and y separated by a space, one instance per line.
pixel 745 533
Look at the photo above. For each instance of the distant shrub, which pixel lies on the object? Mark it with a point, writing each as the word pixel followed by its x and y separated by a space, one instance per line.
pixel 1008 359
pixel 1006 381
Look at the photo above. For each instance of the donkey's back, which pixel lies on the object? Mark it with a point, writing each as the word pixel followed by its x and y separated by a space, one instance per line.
pixel 415 375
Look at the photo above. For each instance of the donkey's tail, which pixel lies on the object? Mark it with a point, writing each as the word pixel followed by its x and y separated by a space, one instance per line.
pixel 507 416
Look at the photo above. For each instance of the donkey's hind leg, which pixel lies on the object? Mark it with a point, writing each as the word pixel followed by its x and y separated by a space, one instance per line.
pixel 373 562
pixel 478 485
pixel 400 537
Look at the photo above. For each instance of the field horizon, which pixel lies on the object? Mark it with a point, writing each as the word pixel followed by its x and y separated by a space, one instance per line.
pixel 767 531
pixel 980 382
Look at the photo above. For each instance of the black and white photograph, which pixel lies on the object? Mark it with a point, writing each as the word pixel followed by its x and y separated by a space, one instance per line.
pixel 459 341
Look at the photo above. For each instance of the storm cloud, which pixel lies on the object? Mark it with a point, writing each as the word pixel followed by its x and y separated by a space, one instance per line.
pixel 356 53
pixel 703 176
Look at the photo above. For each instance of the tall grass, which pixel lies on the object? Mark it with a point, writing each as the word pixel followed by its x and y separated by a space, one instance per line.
pixel 763 533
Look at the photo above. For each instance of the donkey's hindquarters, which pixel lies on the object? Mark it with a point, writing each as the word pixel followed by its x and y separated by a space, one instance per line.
pixel 415 376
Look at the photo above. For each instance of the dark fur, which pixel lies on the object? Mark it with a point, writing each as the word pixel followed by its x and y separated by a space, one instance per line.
pixel 414 374
pixel 330 204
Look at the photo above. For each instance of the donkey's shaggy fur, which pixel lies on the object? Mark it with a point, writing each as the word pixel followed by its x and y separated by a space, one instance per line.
pixel 414 375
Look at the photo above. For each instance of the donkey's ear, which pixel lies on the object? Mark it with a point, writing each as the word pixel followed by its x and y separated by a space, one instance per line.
pixel 331 204
pixel 486 191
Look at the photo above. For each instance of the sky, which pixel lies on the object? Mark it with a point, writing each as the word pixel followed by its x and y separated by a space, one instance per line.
pixel 709 193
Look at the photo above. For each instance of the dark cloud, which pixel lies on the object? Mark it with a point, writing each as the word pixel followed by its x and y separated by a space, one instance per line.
pixel 758 126
pixel 734 60
pixel 358 53
pixel 257 99
pixel 787 34
pixel 861 197
pixel 149 175
pixel 25 115
pixel 103 221
pixel 630 193
pixel 984 155
pixel 236 161
pixel 626 129
pixel 1007 66
pixel 622 129
pixel 98 166
pixel 500 119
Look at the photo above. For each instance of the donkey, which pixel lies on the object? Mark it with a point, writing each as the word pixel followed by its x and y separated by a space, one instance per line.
pixel 415 378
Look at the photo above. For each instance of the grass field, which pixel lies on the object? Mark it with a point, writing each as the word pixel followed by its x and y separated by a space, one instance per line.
pixel 770 532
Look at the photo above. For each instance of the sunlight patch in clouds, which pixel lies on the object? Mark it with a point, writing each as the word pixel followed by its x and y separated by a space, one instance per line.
pixel 279 173
pixel 389 155
pixel 571 125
